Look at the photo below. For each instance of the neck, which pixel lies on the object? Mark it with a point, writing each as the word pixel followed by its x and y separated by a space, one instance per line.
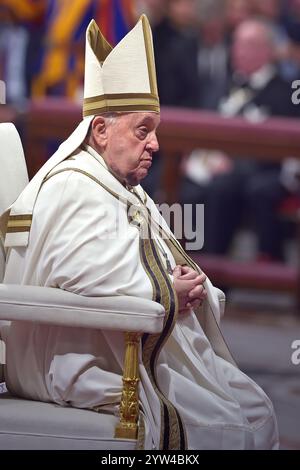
pixel 94 152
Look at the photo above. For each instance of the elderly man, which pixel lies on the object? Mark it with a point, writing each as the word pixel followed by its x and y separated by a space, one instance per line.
pixel 232 188
pixel 85 225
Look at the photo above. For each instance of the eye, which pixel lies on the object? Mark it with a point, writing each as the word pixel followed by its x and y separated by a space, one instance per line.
pixel 142 132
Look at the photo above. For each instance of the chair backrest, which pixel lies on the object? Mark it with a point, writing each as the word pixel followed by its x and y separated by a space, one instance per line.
pixel 13 173
pixel 2 260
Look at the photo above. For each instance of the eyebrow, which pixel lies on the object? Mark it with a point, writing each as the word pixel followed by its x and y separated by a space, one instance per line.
pixel 147 120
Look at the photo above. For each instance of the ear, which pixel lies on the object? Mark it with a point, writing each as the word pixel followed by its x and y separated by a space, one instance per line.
pixel 99 132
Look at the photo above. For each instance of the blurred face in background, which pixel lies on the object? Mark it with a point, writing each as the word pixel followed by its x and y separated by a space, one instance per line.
pixel 213 31
pixel 270 9
pixel 182 13
pixel 252 48
pixel 154 9
pixel 238 11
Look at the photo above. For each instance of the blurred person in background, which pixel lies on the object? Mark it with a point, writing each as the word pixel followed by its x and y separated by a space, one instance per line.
pixel 255 184
pixel 236 12
pixel 268 9
pixel 213 54
pixel 291 18
pixel 283 15
pixel 61 63
pixel 154 9
pixel 20 33
pixel 176 47
pixel 290 22
pixel 230 187
pixel 45 41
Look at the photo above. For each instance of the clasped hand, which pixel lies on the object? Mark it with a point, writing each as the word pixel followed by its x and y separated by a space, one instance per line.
pixel 189 288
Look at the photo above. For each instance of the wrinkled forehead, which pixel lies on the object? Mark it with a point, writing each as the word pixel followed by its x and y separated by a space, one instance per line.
pixel 147 117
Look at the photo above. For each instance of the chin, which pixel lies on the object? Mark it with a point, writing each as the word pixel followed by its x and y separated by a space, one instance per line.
pixel 135 180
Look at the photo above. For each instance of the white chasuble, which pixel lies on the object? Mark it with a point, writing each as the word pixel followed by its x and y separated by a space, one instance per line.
pixel 82 240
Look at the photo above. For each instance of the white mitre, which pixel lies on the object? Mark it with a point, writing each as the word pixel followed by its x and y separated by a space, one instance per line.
pixel 119 79
pixel 123 78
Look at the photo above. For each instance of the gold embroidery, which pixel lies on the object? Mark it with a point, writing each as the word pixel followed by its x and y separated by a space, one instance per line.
pixel 99 44
pixel 149 55
pixel 19 223
pixel 172 430
pixel 114 105
pixel 18 229
pixel 20 217
pixel 121 96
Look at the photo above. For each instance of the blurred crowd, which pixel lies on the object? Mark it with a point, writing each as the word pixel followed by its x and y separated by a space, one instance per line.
pixel 235 57
pixel 197 51
pixel 42 43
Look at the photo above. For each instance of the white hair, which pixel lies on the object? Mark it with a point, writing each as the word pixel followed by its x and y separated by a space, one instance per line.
pixel 265 25
pixel 110 118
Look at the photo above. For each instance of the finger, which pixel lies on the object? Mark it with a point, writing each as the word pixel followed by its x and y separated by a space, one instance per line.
pixel 189 276
pixel 187 269
pixel 203 295
pixel 196 292
pixel 184 286
pixel 202 278
pixel 199 280
pixel 194 303
pixel 177 271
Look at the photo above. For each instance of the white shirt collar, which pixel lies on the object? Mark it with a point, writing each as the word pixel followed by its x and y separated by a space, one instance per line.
pixel 95 154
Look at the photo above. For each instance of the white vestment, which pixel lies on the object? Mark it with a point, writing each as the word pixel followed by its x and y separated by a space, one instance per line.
pixel 81 241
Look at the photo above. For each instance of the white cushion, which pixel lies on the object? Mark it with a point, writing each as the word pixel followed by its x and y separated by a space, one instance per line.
pixel 2 260
pixel 13 176
pixel 33 425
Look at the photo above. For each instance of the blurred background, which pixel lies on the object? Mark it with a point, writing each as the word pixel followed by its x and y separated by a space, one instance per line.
pixel 229 84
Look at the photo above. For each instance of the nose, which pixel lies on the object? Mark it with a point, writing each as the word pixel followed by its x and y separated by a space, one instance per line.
pixel 153 144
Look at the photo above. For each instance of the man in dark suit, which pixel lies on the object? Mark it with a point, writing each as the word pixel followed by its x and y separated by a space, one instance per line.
pixel 176 47
pixel 256 92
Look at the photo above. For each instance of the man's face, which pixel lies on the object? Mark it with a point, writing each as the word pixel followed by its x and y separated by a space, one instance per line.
pixel 131 142
pixel 251 49
pixel 182 12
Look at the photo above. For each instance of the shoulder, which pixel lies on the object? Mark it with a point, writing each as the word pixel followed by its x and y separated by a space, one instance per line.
pixel 72 184
pixel 77 171
pixel 280 94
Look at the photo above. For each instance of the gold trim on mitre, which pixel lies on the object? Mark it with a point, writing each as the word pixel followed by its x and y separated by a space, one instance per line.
pixel 121 78
pixel 98 43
